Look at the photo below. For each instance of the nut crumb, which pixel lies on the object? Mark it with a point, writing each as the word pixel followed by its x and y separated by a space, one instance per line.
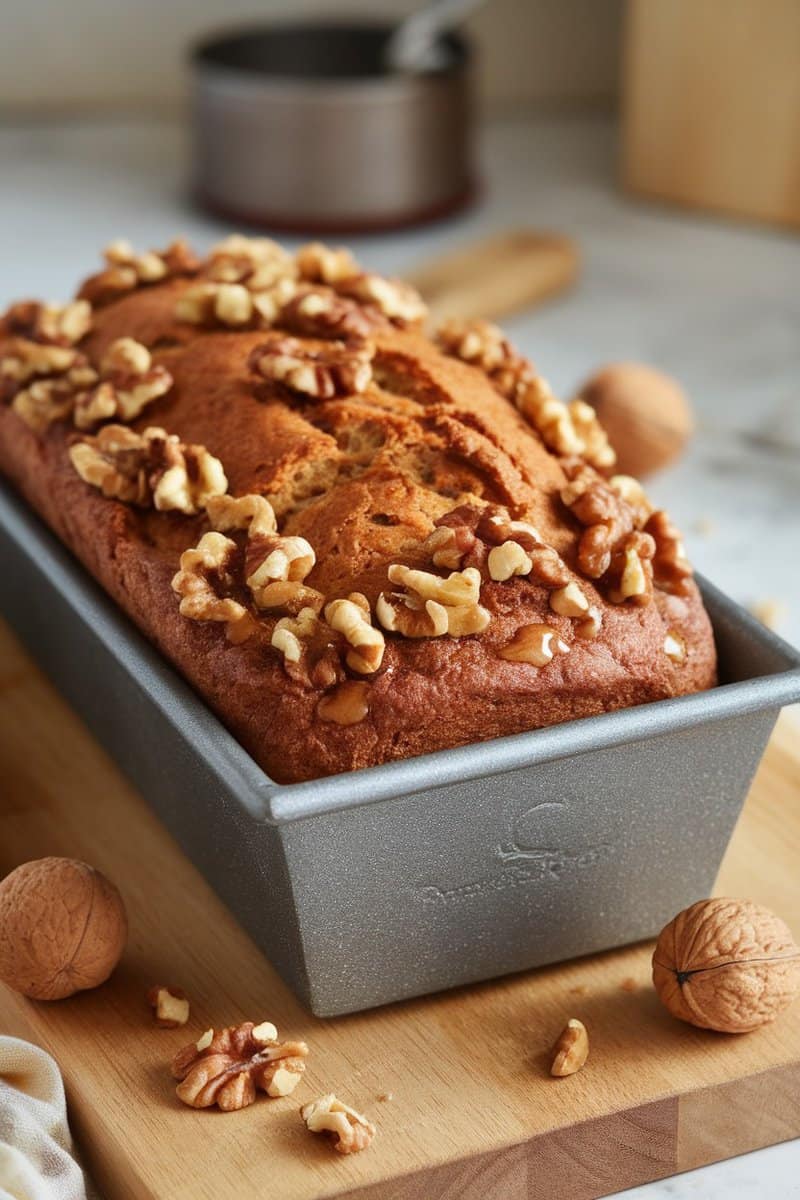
pixel 629 984
pixel 170 1006
pixel 534 644
pixel 571 1050
pixel 769 611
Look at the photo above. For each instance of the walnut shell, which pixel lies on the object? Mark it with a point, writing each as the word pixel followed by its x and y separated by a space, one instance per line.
pixel 728 965
pixel 62 928
pixel 645 413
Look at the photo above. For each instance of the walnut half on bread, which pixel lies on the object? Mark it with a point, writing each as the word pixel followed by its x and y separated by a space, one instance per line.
pixel 358 542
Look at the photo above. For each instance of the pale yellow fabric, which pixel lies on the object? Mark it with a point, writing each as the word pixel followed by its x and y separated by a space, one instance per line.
pixel 36 1159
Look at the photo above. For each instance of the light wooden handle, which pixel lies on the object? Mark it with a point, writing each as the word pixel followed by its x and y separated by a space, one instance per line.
pixel 499 275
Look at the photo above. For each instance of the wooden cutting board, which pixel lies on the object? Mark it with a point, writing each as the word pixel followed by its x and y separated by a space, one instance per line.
pixel 473 1113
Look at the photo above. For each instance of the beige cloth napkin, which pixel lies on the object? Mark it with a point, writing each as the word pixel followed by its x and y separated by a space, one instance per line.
pixel 36 1159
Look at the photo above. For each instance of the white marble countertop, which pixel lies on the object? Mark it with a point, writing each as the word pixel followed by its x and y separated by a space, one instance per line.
pixel 716 304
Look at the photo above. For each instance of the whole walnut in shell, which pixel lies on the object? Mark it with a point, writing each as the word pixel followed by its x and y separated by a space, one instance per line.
pixel 644 412
pixel 728 965
pixel 62 928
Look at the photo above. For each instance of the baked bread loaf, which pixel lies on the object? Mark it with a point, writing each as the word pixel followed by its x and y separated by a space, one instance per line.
pixel 357 542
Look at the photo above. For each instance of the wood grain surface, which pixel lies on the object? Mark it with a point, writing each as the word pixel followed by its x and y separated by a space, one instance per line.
pixel 498 275
pixel 474 1114
pixel 711 111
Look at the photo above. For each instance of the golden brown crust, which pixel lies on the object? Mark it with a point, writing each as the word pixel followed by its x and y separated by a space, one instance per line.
pixel 363 478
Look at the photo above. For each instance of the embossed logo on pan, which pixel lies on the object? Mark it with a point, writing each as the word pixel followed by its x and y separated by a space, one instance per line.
pixel 534 853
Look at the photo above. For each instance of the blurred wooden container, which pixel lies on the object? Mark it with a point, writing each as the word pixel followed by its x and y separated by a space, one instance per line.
pixel 711 105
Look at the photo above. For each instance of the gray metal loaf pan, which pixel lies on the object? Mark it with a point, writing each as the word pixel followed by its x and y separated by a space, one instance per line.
pixel 454 867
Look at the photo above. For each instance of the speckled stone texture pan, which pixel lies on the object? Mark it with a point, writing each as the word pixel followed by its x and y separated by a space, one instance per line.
pixel 375 885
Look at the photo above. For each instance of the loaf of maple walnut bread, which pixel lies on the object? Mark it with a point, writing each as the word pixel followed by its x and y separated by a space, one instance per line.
pixel 358 542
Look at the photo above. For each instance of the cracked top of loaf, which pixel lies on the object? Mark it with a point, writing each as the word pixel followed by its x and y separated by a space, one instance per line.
pixel 358 542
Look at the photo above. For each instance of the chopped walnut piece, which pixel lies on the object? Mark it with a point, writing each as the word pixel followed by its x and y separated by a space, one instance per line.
pixel 347 704
pixel 674 646
pixel 170 1006
pixel 569 601
pixel 535 644
pixel 590 626
pixel 95 406
pixel 597 449
pixel 397 300
pixel 274 566
pixel 215 304
pixel 149 267
pixel 632 493
pixel 24 360
pixel 550 418
pixel 571 1050
pixel 153 468
pixel 270 557
pixel 324 264
pixel 252 512
pixel 49 324
pixel 607 518
pixel 204 576
pixel 205 1040
pixel 233 304
pixel 566 429
pixel 495 526
pixel 289 596
pixel 44 401
pixel 341 369
pixel 48 383
pixel 484 345
pixel 237 1061
pixel 129 382
pixel 477 342
pixel 269 303
pixel 449 545
pixel 209 559
pixel 519 550
pixel 319 312
pixel 258 263
pixel 671 568
pixel 631 570
pixel 430 606
pixel 126 270
pixel 460 587
pixel 507 560
pixel 351 618
pixel 290 633
pixel 347 1129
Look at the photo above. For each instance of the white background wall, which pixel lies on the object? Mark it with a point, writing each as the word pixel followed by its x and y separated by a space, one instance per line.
pixel 57 54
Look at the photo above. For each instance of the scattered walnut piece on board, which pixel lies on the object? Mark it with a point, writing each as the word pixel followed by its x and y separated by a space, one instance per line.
pixel 348 1130
pixel 728 965
pixel 226 1068
pixel 571 1050
pixel 170 1006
